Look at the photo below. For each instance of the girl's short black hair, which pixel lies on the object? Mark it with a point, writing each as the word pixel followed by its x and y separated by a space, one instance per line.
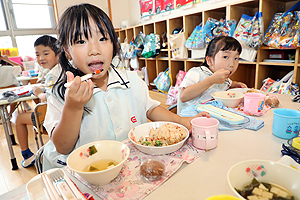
pixel 48 41
pixel 221 43
pixel 74 24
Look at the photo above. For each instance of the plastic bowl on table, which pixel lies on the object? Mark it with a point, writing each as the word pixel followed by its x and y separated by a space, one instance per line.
pixel 105 149
pixel 228 98
pixel 242 173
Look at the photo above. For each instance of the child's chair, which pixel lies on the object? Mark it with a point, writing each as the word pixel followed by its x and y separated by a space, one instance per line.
pixel 39 113
pixel 39 160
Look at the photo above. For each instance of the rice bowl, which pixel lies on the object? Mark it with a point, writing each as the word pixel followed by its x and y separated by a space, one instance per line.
pixel 172 135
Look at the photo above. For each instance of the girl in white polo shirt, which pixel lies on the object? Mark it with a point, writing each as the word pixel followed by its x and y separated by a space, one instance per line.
pixel 106 106
pixel 221 61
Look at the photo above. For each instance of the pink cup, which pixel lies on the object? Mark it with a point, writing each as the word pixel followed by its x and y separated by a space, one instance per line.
pixel 253 103
pixel 205 132
pixel 25 73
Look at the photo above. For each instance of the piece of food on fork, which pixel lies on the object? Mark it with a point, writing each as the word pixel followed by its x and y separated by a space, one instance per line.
pixel 85 77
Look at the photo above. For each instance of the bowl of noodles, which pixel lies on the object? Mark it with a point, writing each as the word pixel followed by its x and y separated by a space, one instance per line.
pixel 158 138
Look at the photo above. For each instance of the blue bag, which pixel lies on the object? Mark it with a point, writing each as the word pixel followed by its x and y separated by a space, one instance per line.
pixel 195 41
pixel 163 81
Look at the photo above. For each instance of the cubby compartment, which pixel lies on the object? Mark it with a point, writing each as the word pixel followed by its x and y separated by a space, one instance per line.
pixel 122 36
pixel 163 55
pixel 151 70
pixel 236 11
pixel 270 7
pixel 190 22
pixel 190 64
pixel 129 34
pixel 161 65
pixel 297 57
pixel 175 23
pixel 142 63
pixel 273 71
pixel 160 27
pixel 217 14
pixel 137 30
pixel 270 56
pixel 175 66
pixel 148 29
pixel 246 74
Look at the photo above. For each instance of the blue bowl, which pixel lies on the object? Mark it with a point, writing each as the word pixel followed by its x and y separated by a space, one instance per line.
pixel 286 123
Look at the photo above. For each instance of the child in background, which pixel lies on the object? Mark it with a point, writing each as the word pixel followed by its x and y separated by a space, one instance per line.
pixel 106 106
pixel 4 60
pixel 221 61
pixel 47 54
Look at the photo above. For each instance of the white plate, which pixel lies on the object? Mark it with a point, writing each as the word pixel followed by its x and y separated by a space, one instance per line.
pixel 243 90
pixel 36 188
pixel 144 129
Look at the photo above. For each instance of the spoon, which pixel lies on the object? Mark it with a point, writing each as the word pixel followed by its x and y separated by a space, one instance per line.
pixel 85 77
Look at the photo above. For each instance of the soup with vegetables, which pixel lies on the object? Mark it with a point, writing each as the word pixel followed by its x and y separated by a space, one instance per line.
pixel 264 191
pixel 100 165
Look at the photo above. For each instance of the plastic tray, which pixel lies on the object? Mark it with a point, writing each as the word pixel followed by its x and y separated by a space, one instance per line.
pixel 36 188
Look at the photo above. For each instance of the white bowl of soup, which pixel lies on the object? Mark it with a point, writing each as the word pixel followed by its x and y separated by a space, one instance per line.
pixel 274 179
pixel 99 162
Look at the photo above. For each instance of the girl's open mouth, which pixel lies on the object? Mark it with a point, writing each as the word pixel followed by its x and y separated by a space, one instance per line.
pixel 94 66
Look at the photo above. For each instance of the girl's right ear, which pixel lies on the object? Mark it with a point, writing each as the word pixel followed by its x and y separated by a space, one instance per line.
pixel 69 57
pixel 209 60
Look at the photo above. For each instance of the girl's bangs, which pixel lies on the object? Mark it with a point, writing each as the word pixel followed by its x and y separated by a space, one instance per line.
pixel 232 45
pixel 82 28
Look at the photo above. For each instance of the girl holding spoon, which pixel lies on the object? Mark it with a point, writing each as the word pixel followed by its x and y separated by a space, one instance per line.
pixel 106 106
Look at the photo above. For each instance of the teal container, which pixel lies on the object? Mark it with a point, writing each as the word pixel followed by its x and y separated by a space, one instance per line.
pixel 286 123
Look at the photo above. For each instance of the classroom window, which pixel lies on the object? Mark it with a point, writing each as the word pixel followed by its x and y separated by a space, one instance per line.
pixel 3 26
pixel 25 20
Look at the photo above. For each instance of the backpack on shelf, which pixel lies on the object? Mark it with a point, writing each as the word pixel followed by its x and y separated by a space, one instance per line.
pixel 173 91
pixel 214 28
pixel 177 44
pixel 163 81
pixel 195 40
pixel 283 32
pixel 249 31
pixel 149 46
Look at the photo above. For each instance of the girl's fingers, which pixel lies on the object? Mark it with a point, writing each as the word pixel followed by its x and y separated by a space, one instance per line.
pixel 70 76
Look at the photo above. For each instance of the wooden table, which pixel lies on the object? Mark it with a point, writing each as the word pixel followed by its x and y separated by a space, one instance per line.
pixel 6 122
pixel 207 175
pixel 27 79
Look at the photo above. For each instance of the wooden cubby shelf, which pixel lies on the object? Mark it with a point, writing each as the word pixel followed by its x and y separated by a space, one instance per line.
pixel 252 73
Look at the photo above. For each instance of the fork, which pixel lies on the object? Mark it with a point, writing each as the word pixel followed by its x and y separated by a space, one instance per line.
pixel 63 186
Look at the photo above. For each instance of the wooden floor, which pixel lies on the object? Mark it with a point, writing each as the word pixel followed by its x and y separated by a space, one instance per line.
pixel 11 179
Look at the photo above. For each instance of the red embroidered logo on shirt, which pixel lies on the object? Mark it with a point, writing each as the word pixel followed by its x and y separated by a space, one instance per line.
pixel 133 119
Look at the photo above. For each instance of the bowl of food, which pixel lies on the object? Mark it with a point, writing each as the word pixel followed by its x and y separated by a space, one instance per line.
pixel 99 162
pixel 246 90
pixel 158 138
pixel 256 179
pixel 228 98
